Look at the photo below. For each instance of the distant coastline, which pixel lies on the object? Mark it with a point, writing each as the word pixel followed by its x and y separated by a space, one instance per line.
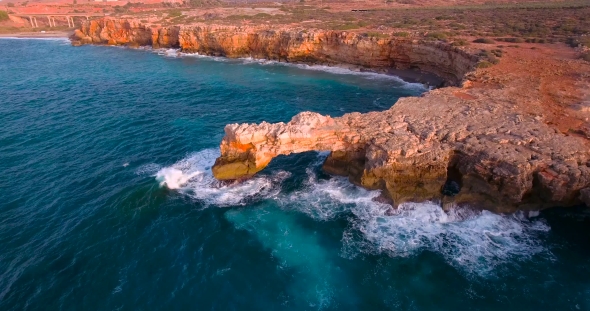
pixel 37 34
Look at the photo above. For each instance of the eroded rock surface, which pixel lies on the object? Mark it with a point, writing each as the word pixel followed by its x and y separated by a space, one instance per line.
pixel 498 158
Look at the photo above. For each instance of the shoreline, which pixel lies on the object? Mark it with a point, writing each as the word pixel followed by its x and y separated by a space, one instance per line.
pixel 426 80
pixel 410 76
pixel 37 34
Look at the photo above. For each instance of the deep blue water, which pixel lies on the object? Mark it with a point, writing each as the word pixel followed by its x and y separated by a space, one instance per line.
pixel 106 200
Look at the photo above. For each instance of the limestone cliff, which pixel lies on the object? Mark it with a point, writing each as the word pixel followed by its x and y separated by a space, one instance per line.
pixel 310 46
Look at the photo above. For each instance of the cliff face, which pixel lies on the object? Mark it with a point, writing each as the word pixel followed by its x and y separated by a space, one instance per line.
pixel 312 47
pixel 112 32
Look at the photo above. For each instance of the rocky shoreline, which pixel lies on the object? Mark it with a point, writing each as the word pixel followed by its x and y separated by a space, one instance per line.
pixel 331 48
pixel 496 142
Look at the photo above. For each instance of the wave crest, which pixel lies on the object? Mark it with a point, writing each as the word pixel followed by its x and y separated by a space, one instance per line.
pixel 193 177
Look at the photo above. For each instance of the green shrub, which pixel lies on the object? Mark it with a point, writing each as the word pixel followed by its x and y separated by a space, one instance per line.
pixel 174 13
pixel 401 34
pixel 262 15
pixel 460 42
pixel 374 34
pixel 3 16
pixel 437 35
pixel 457 26
pixel 347 26
pixel 484 64
pixel 497 53
pixel 535 40
pixel 512 40
pixel 119 9
pixel 484 40
pixel 443 17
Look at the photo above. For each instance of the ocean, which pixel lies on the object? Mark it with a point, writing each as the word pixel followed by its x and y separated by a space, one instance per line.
pixel 107 201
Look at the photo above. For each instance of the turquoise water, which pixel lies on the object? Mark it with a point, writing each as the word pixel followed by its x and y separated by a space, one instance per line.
pixel 107 202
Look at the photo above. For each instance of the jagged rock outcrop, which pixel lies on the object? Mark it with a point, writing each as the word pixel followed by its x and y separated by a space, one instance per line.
pixel 507 140
pixel 494 156
pixel 112 32
pixel 310 46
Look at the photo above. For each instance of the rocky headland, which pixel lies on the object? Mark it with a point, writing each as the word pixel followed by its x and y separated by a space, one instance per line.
pixel 511 137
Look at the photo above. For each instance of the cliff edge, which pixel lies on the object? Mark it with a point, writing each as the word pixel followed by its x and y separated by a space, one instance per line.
pixel 512 137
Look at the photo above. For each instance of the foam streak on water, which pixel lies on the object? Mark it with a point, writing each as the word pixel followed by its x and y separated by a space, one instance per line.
pixel 473 241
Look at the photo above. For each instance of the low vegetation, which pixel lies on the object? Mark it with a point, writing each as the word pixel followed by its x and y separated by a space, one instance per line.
pixel 530 22
pixel 3 16
pixel 174 13
pixel 484 40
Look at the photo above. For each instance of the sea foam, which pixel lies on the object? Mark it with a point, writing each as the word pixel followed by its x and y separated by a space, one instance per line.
pixel 193 177
pixel 174 53
pixel 475 242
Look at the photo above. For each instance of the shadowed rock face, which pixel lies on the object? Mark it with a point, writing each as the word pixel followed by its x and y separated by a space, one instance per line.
pixel 488 154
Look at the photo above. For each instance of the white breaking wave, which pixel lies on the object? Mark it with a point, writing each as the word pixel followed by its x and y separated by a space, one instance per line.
pixel 476 242
pixel 174 178
pixel 193 176
pixel 173 53
pixel 341 71
pixel 168 52
pixel 197 55
pixel 327 199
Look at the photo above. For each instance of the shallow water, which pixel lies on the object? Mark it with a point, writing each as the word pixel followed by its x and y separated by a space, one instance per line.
pixel 107 199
